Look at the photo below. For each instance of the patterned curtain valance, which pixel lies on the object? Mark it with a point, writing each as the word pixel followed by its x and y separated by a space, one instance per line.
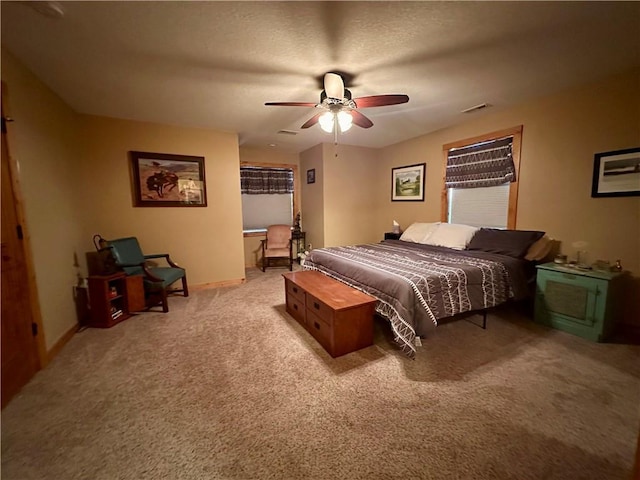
pixel 485 165
pixel 256 181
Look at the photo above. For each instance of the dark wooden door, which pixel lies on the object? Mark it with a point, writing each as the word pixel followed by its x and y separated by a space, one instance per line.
pixel 20 359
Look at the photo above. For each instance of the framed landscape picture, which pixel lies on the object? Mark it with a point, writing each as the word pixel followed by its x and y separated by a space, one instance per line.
pixel 167 180
pixel 616 173
pixel 407 183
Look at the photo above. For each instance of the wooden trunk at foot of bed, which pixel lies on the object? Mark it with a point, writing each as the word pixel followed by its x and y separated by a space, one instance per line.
pixel 339 317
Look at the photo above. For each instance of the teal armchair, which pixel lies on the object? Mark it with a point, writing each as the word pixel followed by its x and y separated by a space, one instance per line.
pixel 157 280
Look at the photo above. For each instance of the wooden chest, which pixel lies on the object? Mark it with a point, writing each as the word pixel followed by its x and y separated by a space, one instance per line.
pixel 339 317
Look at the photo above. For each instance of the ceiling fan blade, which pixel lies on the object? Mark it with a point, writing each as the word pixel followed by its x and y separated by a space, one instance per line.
pixel 360 120
pixel 380 100
pixel 334 86
pixel 291 104
pixel 312 121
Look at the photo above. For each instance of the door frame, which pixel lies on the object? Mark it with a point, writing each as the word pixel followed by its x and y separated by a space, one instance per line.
pixel 34 303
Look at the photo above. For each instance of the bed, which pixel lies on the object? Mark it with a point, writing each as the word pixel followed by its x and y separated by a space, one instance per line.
pixel 417 283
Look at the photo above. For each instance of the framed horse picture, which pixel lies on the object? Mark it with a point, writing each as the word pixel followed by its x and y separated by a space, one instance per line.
pixel 167 180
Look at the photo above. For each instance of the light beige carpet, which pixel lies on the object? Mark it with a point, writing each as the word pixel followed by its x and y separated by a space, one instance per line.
pixel 228 386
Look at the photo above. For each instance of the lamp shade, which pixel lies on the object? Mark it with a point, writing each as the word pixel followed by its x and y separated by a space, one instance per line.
pixel 326 122
pixel 345 120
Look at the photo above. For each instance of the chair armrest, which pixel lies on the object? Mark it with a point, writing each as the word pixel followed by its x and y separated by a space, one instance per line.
pixel 162 255
pixel 156 255
pixel 144 267
pixel 122 265
pixel 150 275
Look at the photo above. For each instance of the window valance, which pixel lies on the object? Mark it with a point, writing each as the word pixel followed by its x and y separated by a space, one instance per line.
pixel 255 181
pixel 487 164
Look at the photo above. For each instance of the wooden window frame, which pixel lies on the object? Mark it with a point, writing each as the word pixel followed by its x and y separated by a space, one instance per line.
pixel 296 182
pixel 516 133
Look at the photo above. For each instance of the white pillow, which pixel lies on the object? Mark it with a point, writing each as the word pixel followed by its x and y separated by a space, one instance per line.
pixel 418 232
pixel 452 235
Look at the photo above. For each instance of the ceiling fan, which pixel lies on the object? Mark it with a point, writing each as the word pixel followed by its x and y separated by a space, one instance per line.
pixel 339 108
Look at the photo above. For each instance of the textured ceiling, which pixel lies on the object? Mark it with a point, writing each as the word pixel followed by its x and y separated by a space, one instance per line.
pixel 215 64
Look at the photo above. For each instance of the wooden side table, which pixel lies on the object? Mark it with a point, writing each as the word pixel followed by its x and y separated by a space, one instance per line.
pixel 392 236
pixel 135 293
pixel 108 299
pixel 300 239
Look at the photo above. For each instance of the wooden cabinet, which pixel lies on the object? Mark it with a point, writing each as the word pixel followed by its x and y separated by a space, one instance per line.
pixel 581 302
pixel 135 293
pixel 339 317
pixel 108 299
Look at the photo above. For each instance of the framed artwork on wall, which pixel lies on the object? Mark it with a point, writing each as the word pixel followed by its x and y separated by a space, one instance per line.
pixel 616 173
pixel 407 183
pixel 167 180
pixel 311 176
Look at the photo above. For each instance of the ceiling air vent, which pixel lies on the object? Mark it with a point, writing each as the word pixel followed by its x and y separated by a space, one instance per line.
pixel 287 132
pixel 476 108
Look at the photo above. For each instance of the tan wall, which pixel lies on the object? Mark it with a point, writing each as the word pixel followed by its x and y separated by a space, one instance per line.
pixel 313 216
pixel 75 182
pixel 267 155
pixel 252 252
pixel 561 134
pixel 206 241
pixel 414 151
pixel 43 140
pixel 350 188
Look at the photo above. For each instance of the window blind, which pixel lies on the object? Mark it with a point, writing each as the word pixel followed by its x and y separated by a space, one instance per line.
pixel 257 181
pixel 485 164
pixel 267 197
pixel 260 211
pixel 479 207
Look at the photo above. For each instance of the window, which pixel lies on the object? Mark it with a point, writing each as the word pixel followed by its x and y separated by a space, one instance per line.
pixel 268 196
pixel 480 207
pixel 481 181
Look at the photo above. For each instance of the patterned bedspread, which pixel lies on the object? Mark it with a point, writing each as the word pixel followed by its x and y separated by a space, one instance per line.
pixel 416 285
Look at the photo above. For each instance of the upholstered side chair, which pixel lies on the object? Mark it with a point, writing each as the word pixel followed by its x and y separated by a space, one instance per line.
pixel 277 246
pixel 157 279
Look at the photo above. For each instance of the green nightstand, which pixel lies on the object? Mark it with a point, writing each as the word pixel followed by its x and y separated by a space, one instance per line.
pixel 581 302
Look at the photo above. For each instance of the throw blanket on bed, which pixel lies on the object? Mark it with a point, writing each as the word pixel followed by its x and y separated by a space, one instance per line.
pixel 416 285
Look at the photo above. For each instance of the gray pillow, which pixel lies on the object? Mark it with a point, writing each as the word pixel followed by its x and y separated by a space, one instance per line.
pixel 513 243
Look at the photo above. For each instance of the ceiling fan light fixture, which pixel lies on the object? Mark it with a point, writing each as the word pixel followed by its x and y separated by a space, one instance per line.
pixel 334 86
pixel 345 120
pixel 326 121
pixel 338 109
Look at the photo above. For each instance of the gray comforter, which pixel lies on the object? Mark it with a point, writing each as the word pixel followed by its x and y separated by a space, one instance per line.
pixel 416 285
